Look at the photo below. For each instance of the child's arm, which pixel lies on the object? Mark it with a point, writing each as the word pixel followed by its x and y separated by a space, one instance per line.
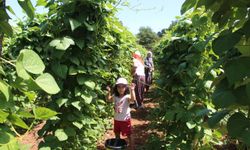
pixel 132 92
pixel 109 97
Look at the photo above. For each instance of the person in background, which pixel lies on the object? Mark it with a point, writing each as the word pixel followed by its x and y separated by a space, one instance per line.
pixel 149 68
pixel 138 74
pixel 122 116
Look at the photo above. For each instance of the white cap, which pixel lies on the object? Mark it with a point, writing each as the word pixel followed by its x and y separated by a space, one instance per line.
pixel 138 53
pixel 149 52
pixel 121 81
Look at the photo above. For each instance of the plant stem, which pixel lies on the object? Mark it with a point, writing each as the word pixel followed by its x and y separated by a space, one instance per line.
pixel 9 62
pixel 1 44
pixel 14 130
pixel 3 3
pixel 31 125
pixel 248 115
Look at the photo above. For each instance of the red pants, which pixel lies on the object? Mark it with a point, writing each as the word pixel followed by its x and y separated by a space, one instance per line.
pixel 123 127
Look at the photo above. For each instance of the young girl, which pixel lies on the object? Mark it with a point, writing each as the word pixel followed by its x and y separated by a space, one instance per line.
pixel 122 99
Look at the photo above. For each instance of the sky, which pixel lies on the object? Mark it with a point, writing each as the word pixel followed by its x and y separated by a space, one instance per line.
pixel 156 14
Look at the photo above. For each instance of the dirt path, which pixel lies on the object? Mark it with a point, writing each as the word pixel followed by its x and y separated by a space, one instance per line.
pixel 31 139
pixel 140 129
pixel 140 122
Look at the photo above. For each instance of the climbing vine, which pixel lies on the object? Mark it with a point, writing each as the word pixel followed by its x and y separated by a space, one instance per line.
pixel 184 57
pixel 82 47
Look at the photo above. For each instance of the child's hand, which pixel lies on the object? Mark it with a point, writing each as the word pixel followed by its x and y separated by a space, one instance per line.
pixel 108 89
pixel 132 86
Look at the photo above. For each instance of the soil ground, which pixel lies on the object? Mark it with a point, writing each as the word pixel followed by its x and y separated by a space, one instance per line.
pixel 31 139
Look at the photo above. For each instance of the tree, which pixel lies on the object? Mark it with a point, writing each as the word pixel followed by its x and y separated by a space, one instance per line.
pixel 146 37
pixel 164 30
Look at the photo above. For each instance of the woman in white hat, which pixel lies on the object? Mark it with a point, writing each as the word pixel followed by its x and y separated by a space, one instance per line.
pixel 138 77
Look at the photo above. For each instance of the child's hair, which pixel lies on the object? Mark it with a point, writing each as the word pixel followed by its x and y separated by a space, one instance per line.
pixel 117 93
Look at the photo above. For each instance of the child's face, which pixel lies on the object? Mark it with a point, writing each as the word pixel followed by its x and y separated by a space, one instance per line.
pixel 149 55
pixel 121 88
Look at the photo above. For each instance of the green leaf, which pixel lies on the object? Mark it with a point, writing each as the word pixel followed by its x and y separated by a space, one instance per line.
pixel 241 95
pixel 47 83
pixel 245 136
pixel 248 90
pixel 70 131
pixel 14 119
pixel 3 116
pixel 224 99
pixel 43 113
pixel 6 28
pixel 80 43
pixel 30 94
pixel 244 46
pixel 216 118
pixel 223 96
pixel 89 27
pixel 41 3
pixel 78 125
pixel 4 90
pixel 190 124
pixel 27 87
pixel 45 148
pixel 32 62
pixel 188 4
pixel 87 98
pixel 13 144
pixel 226 42
pixel 77 104
pixel 75 60
pixel 4 15
pixel 170 115
pixel 6 137
pixel 61 101
pixel 237 124
pixel 62 43
pixel 74 24
pixel 60 70
pixel 21 72
pixel 241 65
pixel 90 84
pixel 81 79
pixel 27 7
pixel 2 71
pixel 246 26
pixel 72 70
pixel 25 114
pixel 209 4
pixel 10 10
pixel 61 135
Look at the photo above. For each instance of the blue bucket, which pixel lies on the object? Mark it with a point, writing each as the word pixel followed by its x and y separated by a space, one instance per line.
pixel 115 143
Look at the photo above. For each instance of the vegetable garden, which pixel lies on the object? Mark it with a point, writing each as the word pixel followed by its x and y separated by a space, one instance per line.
pixel 54 68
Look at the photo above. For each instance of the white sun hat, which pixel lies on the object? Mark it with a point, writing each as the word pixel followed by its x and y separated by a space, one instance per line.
pixel 121 81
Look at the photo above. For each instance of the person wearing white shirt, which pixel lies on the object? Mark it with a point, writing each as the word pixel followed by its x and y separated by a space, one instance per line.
pixel 138 73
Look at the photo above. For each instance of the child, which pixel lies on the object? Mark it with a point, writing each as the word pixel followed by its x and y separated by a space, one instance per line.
pixel 122 99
